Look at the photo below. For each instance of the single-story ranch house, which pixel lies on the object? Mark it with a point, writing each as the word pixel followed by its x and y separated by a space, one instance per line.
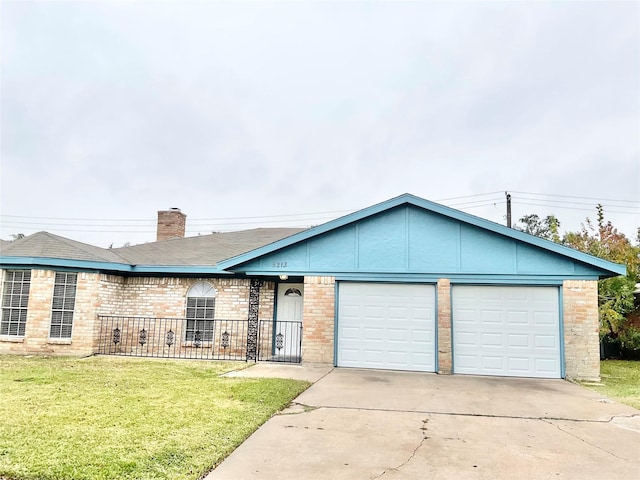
pixel 406 284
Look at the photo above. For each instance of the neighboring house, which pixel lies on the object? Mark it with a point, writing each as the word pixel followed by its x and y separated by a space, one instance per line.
pixel 407 284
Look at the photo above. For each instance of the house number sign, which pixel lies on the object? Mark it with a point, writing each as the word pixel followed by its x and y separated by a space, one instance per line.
pixel 279 264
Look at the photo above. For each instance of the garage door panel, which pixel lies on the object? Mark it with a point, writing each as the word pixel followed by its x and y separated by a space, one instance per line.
pixel 467 338
pixel 398 335
pixel 351 333
pixel 493 363
pixel 517 318
pixel 467 361
pixel 519 365
pixel 491 339
pixel 399 313
pixel 350 354
pixel 544 319
pixel 422 336
pixel 519 340
pixel 466 315
pixel 488 316
pixel 395 325
pixel 545 341
pixel 546 365
pixel 507 331
pixel 372 334
pixel 397 357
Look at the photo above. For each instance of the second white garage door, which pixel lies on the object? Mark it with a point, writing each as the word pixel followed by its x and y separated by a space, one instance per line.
pixel 508 331
pixel 386 326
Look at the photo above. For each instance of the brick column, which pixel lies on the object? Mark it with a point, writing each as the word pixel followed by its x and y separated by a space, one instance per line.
pixel 39 312
pixel 581 325
pixel 318 320
pixel 445 360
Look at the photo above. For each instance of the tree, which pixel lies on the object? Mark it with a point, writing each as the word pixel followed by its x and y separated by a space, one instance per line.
pixel 547 228
pixel 615 295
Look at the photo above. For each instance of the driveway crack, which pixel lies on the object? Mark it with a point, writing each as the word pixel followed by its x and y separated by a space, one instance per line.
pixel 477 415
pixel 584 441
pixel 296 408
pixel 413 454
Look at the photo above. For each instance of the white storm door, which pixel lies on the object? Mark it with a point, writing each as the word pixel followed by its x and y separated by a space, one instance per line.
pixel 289 309
pixel 386 326
pixel 506 331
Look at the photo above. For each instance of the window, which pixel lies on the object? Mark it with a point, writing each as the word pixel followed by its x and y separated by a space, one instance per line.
pixel 64 299
pixel 15 298
pixel 201 303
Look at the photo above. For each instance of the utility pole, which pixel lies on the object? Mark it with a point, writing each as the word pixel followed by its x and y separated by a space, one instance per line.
pixel 508 195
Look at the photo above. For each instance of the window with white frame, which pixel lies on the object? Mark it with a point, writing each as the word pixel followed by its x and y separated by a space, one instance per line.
pixel 201 302
pixel 64 300
pixel 15 300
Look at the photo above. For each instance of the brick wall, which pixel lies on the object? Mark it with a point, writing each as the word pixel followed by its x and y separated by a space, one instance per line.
pixel 445 363
pixel 166 297
pixel 581 339
pixel 318 320
pixel 36 339
pixel 110 294
pixel 102 294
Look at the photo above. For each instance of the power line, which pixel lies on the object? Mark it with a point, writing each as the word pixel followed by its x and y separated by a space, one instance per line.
pixel 582 198
pixel 468 196
pixel 555 202
pixel 575 208
pixel 305 218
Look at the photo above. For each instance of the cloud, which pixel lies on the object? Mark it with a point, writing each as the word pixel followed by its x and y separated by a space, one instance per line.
pixel 118 109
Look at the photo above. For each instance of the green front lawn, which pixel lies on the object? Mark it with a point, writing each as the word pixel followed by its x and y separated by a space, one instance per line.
pixel 620 381
pixel 127 418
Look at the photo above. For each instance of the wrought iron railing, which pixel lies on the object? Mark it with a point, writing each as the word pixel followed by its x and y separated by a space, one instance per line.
pixel 280 341
pixel 217 339
pixel 172 338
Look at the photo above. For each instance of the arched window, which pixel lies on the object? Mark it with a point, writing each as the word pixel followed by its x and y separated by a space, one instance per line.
pixel 201 302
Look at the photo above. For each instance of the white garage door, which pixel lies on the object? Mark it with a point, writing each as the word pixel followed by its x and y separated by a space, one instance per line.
pixel 387 326
pixel 510 331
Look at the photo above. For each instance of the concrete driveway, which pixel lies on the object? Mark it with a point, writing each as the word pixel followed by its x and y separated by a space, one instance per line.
pixel 364 424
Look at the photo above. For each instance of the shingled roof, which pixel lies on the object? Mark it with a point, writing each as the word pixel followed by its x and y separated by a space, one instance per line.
pixel 48 245
pixel 204 250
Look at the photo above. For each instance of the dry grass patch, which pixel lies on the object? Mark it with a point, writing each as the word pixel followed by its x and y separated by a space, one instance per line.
pixel 620 380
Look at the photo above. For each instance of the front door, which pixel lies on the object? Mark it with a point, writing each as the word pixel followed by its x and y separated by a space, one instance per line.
pixel 287 334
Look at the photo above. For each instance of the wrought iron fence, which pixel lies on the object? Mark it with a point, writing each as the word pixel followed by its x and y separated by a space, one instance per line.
pixel 173 338
pixel 217 339
pixel 280 341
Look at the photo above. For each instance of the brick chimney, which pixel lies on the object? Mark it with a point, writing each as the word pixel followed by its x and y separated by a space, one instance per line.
pixel 171 224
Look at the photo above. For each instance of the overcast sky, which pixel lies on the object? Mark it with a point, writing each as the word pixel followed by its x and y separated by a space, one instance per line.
pixel 113 110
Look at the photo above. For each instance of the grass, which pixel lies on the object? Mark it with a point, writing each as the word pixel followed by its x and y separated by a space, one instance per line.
pixel 620 381
pixel 126 418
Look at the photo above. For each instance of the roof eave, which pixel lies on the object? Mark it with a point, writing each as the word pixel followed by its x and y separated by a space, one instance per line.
pixel 13 262
pixel 179 269
pixel 609 269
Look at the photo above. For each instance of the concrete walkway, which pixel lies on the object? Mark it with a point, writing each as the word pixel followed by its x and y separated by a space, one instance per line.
pixel 364 424
pixel 309 373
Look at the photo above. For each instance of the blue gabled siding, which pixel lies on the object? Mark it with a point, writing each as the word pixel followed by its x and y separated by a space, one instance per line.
pixel 382 242
pixel 343 244
pixel 433 241
pixel 529 260
pixel 408 239
pixel 483 251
